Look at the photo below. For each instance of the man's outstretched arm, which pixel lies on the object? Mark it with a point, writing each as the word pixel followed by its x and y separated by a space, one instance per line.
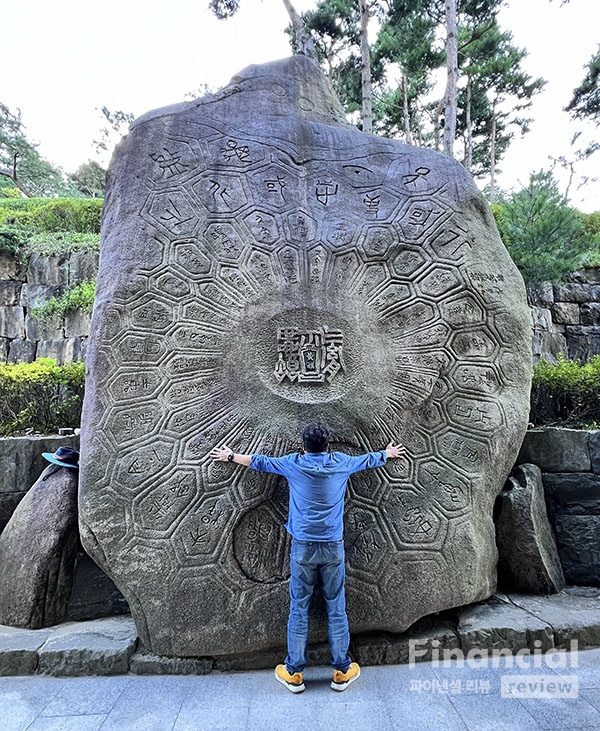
pixel 223 454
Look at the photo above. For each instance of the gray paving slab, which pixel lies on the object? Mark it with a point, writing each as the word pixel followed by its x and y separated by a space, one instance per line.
pixel 385 698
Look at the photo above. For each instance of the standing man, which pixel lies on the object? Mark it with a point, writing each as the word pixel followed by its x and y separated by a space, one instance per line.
pixel 317 482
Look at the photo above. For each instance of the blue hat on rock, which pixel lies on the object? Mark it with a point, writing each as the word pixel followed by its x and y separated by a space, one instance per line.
pixel 64 456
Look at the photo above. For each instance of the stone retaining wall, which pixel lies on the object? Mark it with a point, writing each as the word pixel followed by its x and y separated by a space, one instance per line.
pixel 570 464
pixel 29 284
pixel 566 317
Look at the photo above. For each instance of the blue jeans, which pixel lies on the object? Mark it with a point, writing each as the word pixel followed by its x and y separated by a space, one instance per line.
pixel 319 562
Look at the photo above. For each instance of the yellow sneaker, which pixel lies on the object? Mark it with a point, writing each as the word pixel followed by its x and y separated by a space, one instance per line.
pixel 294 682
pixel 342 680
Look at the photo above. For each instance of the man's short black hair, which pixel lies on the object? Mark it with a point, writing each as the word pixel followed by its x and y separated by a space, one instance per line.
pixel 315 438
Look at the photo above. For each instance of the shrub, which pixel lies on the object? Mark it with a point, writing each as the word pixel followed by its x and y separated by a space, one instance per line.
pixel 44 215
pixel 40 397
pixel 566 393
pixel 79 297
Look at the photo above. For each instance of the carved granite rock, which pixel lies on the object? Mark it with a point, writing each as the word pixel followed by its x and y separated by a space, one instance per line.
pixel 38 548
pixel 264 264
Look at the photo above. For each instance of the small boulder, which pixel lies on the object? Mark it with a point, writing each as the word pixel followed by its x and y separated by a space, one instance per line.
pixel 38 548
pixel 528 559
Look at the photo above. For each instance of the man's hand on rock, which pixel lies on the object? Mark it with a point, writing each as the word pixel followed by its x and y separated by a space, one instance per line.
pixel 395 451
pixel 220 454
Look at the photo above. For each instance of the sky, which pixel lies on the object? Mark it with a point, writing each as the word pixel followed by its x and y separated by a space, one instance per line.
pixel 65 59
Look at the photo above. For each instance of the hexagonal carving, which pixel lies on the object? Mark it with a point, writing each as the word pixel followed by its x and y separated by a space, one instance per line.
pixel 151 315
pixel 482 379
pixel 340 233
pixel 224 241
pixel 276 187
pixel 463 311
pixel 408 262
pixel 464 452
pixel 420 217
pixel 364 539
pixel 163 504
pixel 475 414
pixel 263 227
pixel 202 529
pixel 412 520
pixel 301 226
pixel 191 258
pixel 142 464
pixel 221 192
pixel 376 241
pixel 473 344
pixel 133 423
pixel 173 285
pixel 439 282
pixel 140 349
pixel 173 212
pixel 441 484
pixel 137 384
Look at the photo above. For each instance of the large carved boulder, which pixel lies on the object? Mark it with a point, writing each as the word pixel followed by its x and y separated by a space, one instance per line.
pixel 38 548
pixel 264 264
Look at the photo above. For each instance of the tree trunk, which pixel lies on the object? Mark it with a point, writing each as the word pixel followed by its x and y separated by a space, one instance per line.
pixel 469 150
pixel 365 54
pixel 436 122
pixel 493 154
pixel 304 42
pixel 452 77
pixel 407 135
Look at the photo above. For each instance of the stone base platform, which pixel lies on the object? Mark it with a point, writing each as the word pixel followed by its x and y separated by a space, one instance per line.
pixel 506 623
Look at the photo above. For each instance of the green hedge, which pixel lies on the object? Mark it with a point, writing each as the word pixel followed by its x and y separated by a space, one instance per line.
pixel 566 394
pixel 40 397
pixel 79 297
pixel 49 215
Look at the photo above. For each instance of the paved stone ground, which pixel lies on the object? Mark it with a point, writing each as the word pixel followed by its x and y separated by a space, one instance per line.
pixel 423 697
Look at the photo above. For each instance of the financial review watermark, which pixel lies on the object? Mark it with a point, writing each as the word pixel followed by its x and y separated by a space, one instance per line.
pixel 557 684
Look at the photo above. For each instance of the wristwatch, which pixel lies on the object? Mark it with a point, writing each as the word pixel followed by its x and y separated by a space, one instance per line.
pixel 230 457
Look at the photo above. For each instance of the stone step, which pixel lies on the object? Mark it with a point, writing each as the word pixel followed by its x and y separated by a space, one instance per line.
pixel 510 623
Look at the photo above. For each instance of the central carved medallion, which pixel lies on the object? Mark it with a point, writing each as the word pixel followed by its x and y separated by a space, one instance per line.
pixel 309 356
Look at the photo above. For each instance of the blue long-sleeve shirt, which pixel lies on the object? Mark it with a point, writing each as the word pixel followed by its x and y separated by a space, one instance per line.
pixel 317 482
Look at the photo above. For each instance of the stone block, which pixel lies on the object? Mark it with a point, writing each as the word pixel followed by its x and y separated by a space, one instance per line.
pixel 93 594
pixel 590 313
pixel 98 647
pixel 578 539
pixel 593 275
pixel 77 324
pixel 12 322
pixel 541 295
pixel 582 341
pixel 36 295
pixel 573 614
pixel 143 663
pixel 19 649
pixel 22 351
pixel 567 313
pixel 65 350
pixel 573 293
pixel 10 292
pixel 528 560
pixel 4 346
pixel 83 266
pixel 578 276
pixel 11 267
pixel 419 643
pixel 555 449
pixel 594 447
pixel 496 624
pixel 50 328
pixel 541 318
pixel 48 270
pixel 548 345
pixel 577 493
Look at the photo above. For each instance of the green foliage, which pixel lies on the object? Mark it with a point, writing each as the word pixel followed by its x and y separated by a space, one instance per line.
pixel 21 163
pixel 50 226
pixel 90 179
pixel 79 297
pixel 544 235
pixel 585 103
pixel 566 393
pixel 40 397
